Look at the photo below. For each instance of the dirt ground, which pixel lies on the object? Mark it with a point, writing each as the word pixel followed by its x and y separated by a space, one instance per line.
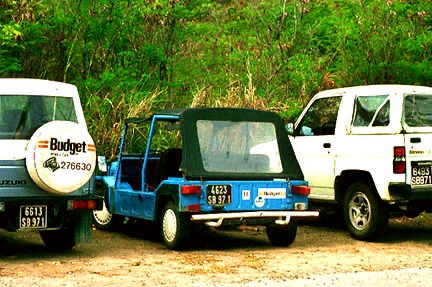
pixel 321 256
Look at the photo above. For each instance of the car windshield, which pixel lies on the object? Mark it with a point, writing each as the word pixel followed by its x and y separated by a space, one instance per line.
pixel 21 115
pixel 238 147
pixel 418 110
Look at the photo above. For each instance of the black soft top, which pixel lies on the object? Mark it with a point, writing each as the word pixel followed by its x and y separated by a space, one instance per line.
pixel 192 163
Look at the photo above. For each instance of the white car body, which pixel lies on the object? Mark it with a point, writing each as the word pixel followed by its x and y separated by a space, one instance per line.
pixel 357 147
pixel 47 162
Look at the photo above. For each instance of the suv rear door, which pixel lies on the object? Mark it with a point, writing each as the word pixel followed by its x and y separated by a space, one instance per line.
pixel 418 140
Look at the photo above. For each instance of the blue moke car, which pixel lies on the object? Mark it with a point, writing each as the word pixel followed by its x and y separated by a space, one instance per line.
pixel 209 166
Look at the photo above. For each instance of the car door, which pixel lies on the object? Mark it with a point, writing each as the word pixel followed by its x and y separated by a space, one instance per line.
pixel 418 140
pixel 132 197
pixel 313 141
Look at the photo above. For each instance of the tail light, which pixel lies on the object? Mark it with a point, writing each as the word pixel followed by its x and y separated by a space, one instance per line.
pixel 191 189
pixel 194 208
pixel 301 189
pixel 84 204
pixel 399 162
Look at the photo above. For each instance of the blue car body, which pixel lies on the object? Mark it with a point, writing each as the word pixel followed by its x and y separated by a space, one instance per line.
pixel 222 166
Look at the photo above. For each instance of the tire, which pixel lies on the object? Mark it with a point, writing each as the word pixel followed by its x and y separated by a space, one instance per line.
pixel 282 235
pixel 175 228
pixel 58 240
pixel 102 219
pixel 366 215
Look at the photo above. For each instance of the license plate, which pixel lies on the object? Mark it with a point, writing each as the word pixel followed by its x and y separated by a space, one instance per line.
pixel 421 173
pixel 33 216
pixel 219 194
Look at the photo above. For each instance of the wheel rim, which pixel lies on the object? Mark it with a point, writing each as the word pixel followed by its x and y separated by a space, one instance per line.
pixel 359 211
pixel 169 225
pixel 102 217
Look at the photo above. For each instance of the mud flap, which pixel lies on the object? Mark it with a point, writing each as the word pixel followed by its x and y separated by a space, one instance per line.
pixel 83 227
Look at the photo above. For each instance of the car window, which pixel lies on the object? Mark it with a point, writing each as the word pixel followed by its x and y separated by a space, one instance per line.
pixel 320 118
pixel 372 111
pixel 21 115
pixel 418 110
pixel 238 147
pixel 135 139
pixel 166 135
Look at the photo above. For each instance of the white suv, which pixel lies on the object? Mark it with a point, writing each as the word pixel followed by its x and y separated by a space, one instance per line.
pixel 47 162
pixel 368 149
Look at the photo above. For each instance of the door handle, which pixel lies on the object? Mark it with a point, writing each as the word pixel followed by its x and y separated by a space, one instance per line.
pixel 327 145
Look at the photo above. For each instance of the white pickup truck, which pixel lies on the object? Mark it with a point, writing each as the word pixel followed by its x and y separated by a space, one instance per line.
pixel 368 150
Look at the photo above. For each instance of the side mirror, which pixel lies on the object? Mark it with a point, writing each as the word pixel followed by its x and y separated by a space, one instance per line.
pixel 290 128
pixel 102 164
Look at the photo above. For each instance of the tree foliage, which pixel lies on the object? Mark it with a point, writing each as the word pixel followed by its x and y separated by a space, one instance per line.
pixel 133 57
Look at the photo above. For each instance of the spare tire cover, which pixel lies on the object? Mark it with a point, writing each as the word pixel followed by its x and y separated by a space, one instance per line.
pixel 61 157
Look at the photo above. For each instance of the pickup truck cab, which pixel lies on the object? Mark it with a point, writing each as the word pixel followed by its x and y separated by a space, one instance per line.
pixel 47 162
pixel 210 166
pixel 367 150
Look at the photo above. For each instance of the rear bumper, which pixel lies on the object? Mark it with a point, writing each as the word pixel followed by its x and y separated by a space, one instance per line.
pixel 48 200
pixel 59 211
pixel 403 192
pixel 279 217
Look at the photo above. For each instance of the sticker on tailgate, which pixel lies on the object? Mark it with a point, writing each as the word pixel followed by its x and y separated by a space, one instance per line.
pixel 272 192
